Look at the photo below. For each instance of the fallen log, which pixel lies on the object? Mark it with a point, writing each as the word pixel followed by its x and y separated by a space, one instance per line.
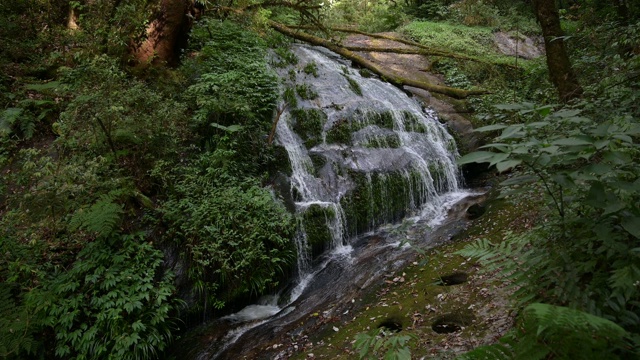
pixel 425 50
pixel 360 60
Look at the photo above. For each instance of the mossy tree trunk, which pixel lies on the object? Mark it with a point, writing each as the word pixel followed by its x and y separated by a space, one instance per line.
pixel 560 71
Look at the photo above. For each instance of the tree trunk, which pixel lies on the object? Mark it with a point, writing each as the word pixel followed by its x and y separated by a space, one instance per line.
pixel 560 71
pixel 169 26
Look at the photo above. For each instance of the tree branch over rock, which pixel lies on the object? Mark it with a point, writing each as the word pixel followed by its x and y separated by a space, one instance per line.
pixel 422 49
pixel 361 61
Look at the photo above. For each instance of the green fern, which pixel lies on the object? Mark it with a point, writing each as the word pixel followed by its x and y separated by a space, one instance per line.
pixel 560 333
pixel 15 333
pixel 102 218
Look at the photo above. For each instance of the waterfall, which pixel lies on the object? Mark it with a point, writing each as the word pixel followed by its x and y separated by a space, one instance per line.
pixel 362 155
pixel 379 155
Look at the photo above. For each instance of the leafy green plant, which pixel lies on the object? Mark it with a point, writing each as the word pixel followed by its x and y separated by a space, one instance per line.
pixel 112 115
pixel 586 253
pixel 16 334
pixel 131 307
pixel 563 333
pixel 235 236
pixel 377 342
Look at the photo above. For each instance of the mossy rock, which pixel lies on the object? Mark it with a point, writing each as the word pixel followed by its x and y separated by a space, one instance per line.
pixel 308 125
pixel 383 119
pixel 340 133
pixel 383 199
pixel 315 219
pixel 279 160
pixel 318 161
pixel 413 123
pixel 391 141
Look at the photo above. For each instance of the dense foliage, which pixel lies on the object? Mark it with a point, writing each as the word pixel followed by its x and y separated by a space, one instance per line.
pixel 129 194
pixel 583 157
pixel 112 176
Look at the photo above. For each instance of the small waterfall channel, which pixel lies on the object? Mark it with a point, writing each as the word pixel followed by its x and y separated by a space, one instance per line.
pixel 363 156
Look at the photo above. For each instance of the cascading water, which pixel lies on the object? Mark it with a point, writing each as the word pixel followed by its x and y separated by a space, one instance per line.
pixel 362 154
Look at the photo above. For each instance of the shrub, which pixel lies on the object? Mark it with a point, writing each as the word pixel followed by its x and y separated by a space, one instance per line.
pixel 584 255
pixel 114 116
pixel 114 302
pixel 236 236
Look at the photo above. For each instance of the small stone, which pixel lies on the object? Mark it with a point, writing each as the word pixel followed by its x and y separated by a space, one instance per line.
pixel 335 329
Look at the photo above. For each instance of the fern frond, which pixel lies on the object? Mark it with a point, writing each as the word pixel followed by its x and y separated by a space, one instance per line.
pixel 570 333
pixel 15 334
pixel 102 218
pixel 488 352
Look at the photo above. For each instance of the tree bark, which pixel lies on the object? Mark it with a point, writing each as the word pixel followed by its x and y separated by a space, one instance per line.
pixel 170 23
pixel 389 76
pixel 560 71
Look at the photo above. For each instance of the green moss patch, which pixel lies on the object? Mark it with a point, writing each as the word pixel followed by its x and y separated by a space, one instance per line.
pixel 308 124
pixel 315 219
pixel 379 199
pixel 340 132
pixel 391 141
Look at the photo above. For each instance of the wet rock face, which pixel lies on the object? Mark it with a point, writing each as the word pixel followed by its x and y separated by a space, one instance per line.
pixel 362 153
pixel 520 45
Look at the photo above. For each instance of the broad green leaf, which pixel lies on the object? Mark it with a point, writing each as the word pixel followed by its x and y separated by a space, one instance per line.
pixel 624 137
pixel 616 157
pixel 231 128
pixel 563 179
pixel 572 141
pixel 566 113
pixel 598 169
pixel 632 225
pixel 513 107
pixel 601 144
pixel 476 157
pixel 46 86
pixel 523 179
pixel 626 186
pixel 490 128
pixel 498 158
pixel 538 124
pixel 553 149
pixel 506 165
pixel 500 146
pixel 543 160
pixel 634 129
pixel 614 207
pixel 601 130
pixel 544 110
pixel 513 131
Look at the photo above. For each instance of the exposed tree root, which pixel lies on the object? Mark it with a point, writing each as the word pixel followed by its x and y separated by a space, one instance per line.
pixel 360 60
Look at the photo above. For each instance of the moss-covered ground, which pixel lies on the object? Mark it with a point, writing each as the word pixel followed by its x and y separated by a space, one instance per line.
pixel 414 297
